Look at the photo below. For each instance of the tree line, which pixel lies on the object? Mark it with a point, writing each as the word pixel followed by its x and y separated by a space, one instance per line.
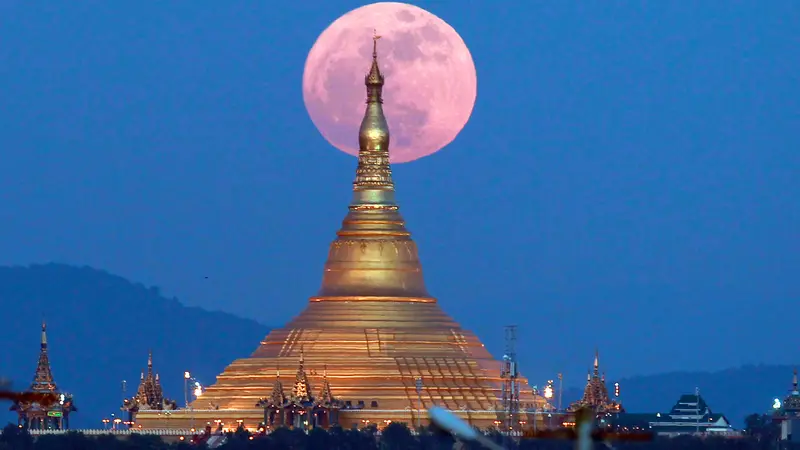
pixel 761 434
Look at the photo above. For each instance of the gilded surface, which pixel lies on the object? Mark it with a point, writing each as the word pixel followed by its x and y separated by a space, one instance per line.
pixel 372 329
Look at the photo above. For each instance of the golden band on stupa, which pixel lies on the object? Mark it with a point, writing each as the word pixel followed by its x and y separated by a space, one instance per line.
pixel 372 346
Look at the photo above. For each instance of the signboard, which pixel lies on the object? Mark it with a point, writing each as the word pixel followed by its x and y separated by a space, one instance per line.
pixel 53 413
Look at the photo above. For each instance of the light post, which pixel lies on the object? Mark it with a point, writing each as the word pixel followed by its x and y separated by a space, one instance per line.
pixel 197 391
pixel 124 391
pixel 186 377
pixel 105 423
pixel 560 389
pixel 535 407
pixel 548 394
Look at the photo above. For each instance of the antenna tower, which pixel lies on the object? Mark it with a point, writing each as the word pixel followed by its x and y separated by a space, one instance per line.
pixel 509 374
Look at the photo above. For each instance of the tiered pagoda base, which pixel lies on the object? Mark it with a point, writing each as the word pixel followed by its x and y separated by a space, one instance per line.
pixel 372 352
pixel 251 419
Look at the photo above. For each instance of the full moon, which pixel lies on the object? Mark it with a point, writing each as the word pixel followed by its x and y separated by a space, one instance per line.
pixel 430 85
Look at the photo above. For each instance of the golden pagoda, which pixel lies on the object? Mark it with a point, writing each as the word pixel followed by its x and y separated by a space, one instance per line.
pixel 373 344
pixel 595 394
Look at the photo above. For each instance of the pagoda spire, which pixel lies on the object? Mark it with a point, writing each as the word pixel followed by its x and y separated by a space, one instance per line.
pixel 301 391
pixel 373 256
pixel 43 379
pixel 794 381
pixel 277 398
pixel 325 394
pixel 373 183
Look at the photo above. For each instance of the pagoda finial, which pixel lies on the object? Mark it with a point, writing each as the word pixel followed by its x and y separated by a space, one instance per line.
pixel 596 361
pixel 44 334
pixel 375 38
pixel 794 380
pixel 278 372
pixel 373 171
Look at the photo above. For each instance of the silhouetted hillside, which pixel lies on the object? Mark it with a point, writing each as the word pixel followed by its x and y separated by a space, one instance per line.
pixel 100 327
pixel 734 392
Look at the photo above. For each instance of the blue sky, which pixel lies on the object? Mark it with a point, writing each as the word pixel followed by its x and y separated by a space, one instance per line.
pixel 628 178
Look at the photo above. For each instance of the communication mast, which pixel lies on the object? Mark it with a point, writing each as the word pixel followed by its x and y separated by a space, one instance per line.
pixel 509 374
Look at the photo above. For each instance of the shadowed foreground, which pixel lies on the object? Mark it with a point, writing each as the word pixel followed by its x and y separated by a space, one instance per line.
pixel 394 437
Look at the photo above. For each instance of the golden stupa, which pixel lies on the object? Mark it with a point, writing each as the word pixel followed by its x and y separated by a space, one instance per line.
pixel 372 335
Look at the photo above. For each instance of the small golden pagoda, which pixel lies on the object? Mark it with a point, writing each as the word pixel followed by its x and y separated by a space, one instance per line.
pixel 149 396
pixel 595 395
pixel 373 341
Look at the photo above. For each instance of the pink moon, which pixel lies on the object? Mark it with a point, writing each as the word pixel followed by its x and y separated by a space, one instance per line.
pixel 430 85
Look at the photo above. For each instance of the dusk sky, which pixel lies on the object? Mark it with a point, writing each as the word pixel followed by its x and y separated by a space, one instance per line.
pixel 628 179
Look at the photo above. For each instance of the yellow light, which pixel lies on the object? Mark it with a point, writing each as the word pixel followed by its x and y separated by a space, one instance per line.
pixel 548 392
pixel 187 375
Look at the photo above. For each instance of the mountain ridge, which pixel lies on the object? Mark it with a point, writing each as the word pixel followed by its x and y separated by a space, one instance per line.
pixel 101 327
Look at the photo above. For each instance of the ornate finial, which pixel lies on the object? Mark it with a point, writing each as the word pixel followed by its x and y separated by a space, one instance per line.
pixel 302 357
pixel 278 372
pixel 794 380
pixel 373 172
pixel 596 362
pixel 150 359
pixel 325 370
pixel 44 334
pixel 375 38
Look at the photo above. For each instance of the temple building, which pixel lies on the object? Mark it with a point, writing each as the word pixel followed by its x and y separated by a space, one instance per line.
pixel 595 394
pixel 690 415
pixel 149 396
pixel 790 406
pixel 301 408
pixel 43 406
pixel 373 336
